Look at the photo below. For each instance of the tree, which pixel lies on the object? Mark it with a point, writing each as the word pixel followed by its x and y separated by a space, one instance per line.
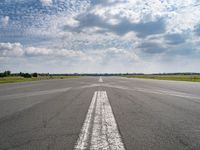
pixel 1 74
pixel 27 75
pixel 35 74
pixel 5 73
pixel 21 74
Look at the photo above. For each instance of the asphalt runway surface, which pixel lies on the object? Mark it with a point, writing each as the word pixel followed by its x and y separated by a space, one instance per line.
pixel 100 113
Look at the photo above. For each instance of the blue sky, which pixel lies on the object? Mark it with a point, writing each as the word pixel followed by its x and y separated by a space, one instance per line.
pixel 67 36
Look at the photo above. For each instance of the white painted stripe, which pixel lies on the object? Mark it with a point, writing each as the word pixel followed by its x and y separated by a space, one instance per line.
pixel 160 92
pixel 82 142
pixel 100 79
pixel 96 138
pixel 104 133
pixel 171 93
pixel 112 133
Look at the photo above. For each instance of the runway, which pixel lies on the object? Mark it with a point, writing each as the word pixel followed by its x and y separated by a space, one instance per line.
pixel 100 113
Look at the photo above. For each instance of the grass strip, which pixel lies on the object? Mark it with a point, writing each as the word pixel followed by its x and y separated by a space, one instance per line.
pixel 191 78
pixel 15 79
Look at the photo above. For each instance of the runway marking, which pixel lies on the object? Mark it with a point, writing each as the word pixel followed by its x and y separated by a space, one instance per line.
pixel 82 142
pixel 171 93
pixel 99 130
pixel 100 79
pixel 160 92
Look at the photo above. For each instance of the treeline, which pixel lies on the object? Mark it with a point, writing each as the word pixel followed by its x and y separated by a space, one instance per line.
pixel 178 73
pixel 25 75
pixel 94 74
pixel 122 74
pixel 5 73
pixel 29 75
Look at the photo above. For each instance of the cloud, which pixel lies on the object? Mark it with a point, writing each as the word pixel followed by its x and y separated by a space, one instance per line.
pixel 152 48
pixel 174 39
pixel 197 30
pixel 124 26
pixel 116 54
pixel 185 49
pixel 106 2
pixel 40 13
pixel 11 50
pixel 99 35
pixel 46 2
pixel 142 29
pixel 36 51
pixel 18 50
pixel 5 21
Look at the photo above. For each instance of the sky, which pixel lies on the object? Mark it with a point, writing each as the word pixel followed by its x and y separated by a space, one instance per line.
pixel 100 36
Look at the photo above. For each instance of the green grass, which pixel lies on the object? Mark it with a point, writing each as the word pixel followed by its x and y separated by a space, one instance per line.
pixel 192 78
pixel 22 79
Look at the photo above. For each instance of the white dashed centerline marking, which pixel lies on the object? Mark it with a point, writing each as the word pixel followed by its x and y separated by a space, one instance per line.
pixel 100 79
pixel 99 130
pixel 82 142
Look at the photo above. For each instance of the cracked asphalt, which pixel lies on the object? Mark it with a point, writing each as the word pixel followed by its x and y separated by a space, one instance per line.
pixel 150 114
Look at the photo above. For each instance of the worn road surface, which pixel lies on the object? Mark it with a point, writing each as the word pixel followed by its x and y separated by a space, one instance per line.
pixel 106 113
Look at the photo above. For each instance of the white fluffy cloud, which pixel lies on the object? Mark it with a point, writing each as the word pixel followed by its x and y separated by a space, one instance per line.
pixel 11 49
pixel 121 53
pixel 5 20
pixel 179 15
pixel 18 50
pixel 141 34
pixel 46 2
pixel 95 56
